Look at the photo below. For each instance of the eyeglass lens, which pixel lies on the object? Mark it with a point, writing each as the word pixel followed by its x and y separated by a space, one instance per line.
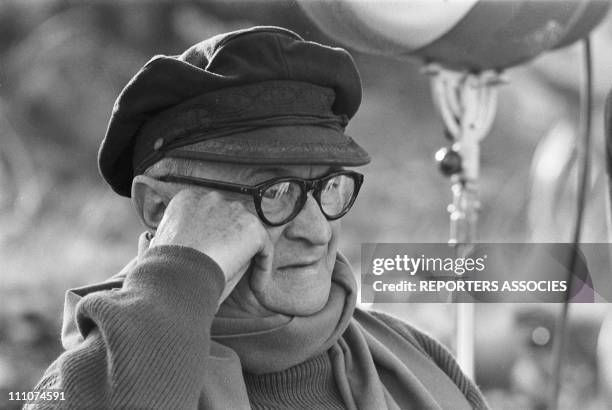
pixel 279 201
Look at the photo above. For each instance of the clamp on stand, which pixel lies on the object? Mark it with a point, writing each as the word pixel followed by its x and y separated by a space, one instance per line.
pixel 467 102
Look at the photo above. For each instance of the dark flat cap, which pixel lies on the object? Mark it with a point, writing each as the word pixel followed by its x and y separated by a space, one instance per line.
pixel 257 96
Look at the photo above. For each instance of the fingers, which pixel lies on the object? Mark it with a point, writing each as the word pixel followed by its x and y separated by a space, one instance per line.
pixel 264 258
pixel 231 283
pixel 223 230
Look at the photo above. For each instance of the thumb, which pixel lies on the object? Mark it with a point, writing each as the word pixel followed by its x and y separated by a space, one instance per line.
pixel 232 282
pixel 261 262
pixel 264 258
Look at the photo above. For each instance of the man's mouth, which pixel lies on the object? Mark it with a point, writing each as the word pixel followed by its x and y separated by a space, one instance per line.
pixel 299 265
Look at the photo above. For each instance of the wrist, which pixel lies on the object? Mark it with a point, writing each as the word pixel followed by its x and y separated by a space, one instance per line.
pixel 179 275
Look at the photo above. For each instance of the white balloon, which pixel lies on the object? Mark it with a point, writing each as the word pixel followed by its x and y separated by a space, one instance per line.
pixel 460 34
pixel 411 23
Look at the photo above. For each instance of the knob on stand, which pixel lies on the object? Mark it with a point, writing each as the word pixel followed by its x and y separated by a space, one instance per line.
pixel 467 102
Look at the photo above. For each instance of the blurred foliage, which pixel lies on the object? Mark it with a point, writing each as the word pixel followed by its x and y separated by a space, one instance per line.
pixel 62 63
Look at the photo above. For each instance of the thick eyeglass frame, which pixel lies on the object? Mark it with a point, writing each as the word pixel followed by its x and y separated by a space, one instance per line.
pixel 257 191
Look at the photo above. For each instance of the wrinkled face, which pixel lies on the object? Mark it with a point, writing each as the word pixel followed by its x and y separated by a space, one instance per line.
pixel 304 248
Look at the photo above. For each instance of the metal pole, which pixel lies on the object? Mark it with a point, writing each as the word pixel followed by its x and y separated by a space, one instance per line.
pixel 467 103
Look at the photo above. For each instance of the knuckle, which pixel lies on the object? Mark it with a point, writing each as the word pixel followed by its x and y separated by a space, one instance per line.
pixel 186 195
pixel 214 195
pixel 248 220
pixel 236 205
pixel 238 210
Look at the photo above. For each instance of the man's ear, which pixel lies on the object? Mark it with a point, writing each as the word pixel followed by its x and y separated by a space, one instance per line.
pixel 150 198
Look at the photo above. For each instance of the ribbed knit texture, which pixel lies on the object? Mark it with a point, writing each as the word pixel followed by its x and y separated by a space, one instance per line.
pixel 146 344
pixel 309 385
pixel 441 356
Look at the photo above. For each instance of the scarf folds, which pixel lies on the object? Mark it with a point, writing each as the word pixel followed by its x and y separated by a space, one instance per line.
pixel 374 366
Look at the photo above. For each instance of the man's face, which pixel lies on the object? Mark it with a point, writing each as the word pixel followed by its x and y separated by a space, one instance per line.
pixel 304 249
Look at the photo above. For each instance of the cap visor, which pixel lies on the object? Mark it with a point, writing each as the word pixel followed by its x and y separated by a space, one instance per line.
pixel 303 144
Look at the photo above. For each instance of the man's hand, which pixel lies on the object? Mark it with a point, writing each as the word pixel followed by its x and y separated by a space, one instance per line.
pixel 223 230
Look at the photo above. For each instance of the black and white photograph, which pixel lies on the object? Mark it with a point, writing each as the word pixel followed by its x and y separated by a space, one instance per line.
pixel 306 204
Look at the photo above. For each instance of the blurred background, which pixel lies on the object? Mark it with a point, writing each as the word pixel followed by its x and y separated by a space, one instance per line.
pixel 62 64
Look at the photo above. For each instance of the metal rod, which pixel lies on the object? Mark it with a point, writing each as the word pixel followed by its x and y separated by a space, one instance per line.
pixel 463 228
pixel 583 151
pixel 467 104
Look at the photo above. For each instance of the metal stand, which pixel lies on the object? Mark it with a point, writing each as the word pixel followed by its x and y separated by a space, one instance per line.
pixel 467 103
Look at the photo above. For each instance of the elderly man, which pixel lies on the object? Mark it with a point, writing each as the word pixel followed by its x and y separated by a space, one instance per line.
pixel 234 154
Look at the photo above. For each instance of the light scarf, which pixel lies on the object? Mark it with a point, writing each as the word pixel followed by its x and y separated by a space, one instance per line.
pixel 374 366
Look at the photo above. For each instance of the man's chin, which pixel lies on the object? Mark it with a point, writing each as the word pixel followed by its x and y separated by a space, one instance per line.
pixel 298 305
pixel 298 310
pixel 293 292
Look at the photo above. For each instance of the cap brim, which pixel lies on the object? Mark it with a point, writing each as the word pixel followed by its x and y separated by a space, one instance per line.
pixel 303 144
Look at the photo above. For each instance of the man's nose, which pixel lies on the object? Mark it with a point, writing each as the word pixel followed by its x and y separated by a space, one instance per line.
pixel 310 224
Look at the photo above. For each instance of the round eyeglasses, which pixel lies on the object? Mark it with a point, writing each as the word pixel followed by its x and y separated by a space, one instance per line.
pixel 279 200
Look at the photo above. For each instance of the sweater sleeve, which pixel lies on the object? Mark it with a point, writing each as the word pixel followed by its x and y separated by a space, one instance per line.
pixel 441 356
pixel 145 345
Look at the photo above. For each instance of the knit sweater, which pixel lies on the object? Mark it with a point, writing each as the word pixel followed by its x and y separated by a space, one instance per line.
pixel 144 342
pixel 309 385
